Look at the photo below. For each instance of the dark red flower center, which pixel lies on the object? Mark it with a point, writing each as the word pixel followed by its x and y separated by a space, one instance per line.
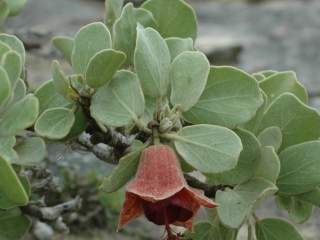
pixel 167 211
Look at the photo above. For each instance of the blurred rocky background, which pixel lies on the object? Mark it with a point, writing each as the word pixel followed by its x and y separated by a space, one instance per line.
pixel 253 34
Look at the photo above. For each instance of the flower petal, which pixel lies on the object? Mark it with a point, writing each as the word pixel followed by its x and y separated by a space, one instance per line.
pixel 132 208
pixel 201 198
pixel 159 174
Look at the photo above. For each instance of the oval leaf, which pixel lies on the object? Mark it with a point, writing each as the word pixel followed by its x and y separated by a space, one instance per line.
pixel 55 123
pixel 276 229
pixel 49 97
pixel 19 116
pixel 12 64
pixel 271 136
pixel 5 89
pixel 174 18
pixel 15 44
pixel 103 66
pixel 10 185
pixel 90 39
pixel 246 164
pixel 282 82
pixel 123 172
pixel 152 62
pixel 188 77
pixel 64 45
pixel 300 124
pixel 179 45
pixel 230 98
pixel 210 149
pixel 6 148
pixel 299 211
pixel 113 11
pixel 125 29
pixel 300 168
pixel 31 151
pixel 60 81
pixel 236 205
pixel 268 166
pixel 114 105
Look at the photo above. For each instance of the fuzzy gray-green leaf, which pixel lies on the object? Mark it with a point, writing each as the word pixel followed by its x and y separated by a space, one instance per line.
pixel 90 39
pixel 188 77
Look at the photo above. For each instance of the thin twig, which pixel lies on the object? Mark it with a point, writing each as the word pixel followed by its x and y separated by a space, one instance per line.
pixel 209 191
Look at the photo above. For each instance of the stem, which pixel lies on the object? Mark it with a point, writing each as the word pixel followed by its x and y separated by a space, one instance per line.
pixel 156 138
pixel 209 190
pixel 141 126
pixel 249 231
pixel 169 136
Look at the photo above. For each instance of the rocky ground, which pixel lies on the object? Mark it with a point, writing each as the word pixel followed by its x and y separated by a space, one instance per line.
pixel 279 35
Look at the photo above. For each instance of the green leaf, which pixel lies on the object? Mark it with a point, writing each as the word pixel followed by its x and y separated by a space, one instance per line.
pixel 5 90
pixel 271 136
pixel 19 116
pixel 31 151
pixel 279 83
pixel 246 164
pixel 312 197
pixel 15 44
pixel 19 92
pixel 149 110
pixel 188 77
pixel 152 62
pixel 4 48
pixel 49 97
pixel 300 168
pixel 179 45
pixel 267 73
pixel 175 18
pixel 208 148
pixel 236 205
pixel 299 211
pixel 231 97
pixel 103 66
pixel 10 186
pixel 206 230
pixel 268 166
pixel 113 105
pixel 90 39
pixel 124 171
pixel 300 124
pixel 276 229
pixel 15 6
pixel 14 228
pixel 64 45
pixel 258 76
pixel 113 11
pixel 11 62
pixel 80 124
pixel 13 212
pixel 4 12
pixel 55 123
pixel 125 29
pixel 112 201
pixel 60 81
pixel 6 148
pixel 254 123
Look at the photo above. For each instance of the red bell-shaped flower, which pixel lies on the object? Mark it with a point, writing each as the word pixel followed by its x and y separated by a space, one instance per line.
pixel 160 192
